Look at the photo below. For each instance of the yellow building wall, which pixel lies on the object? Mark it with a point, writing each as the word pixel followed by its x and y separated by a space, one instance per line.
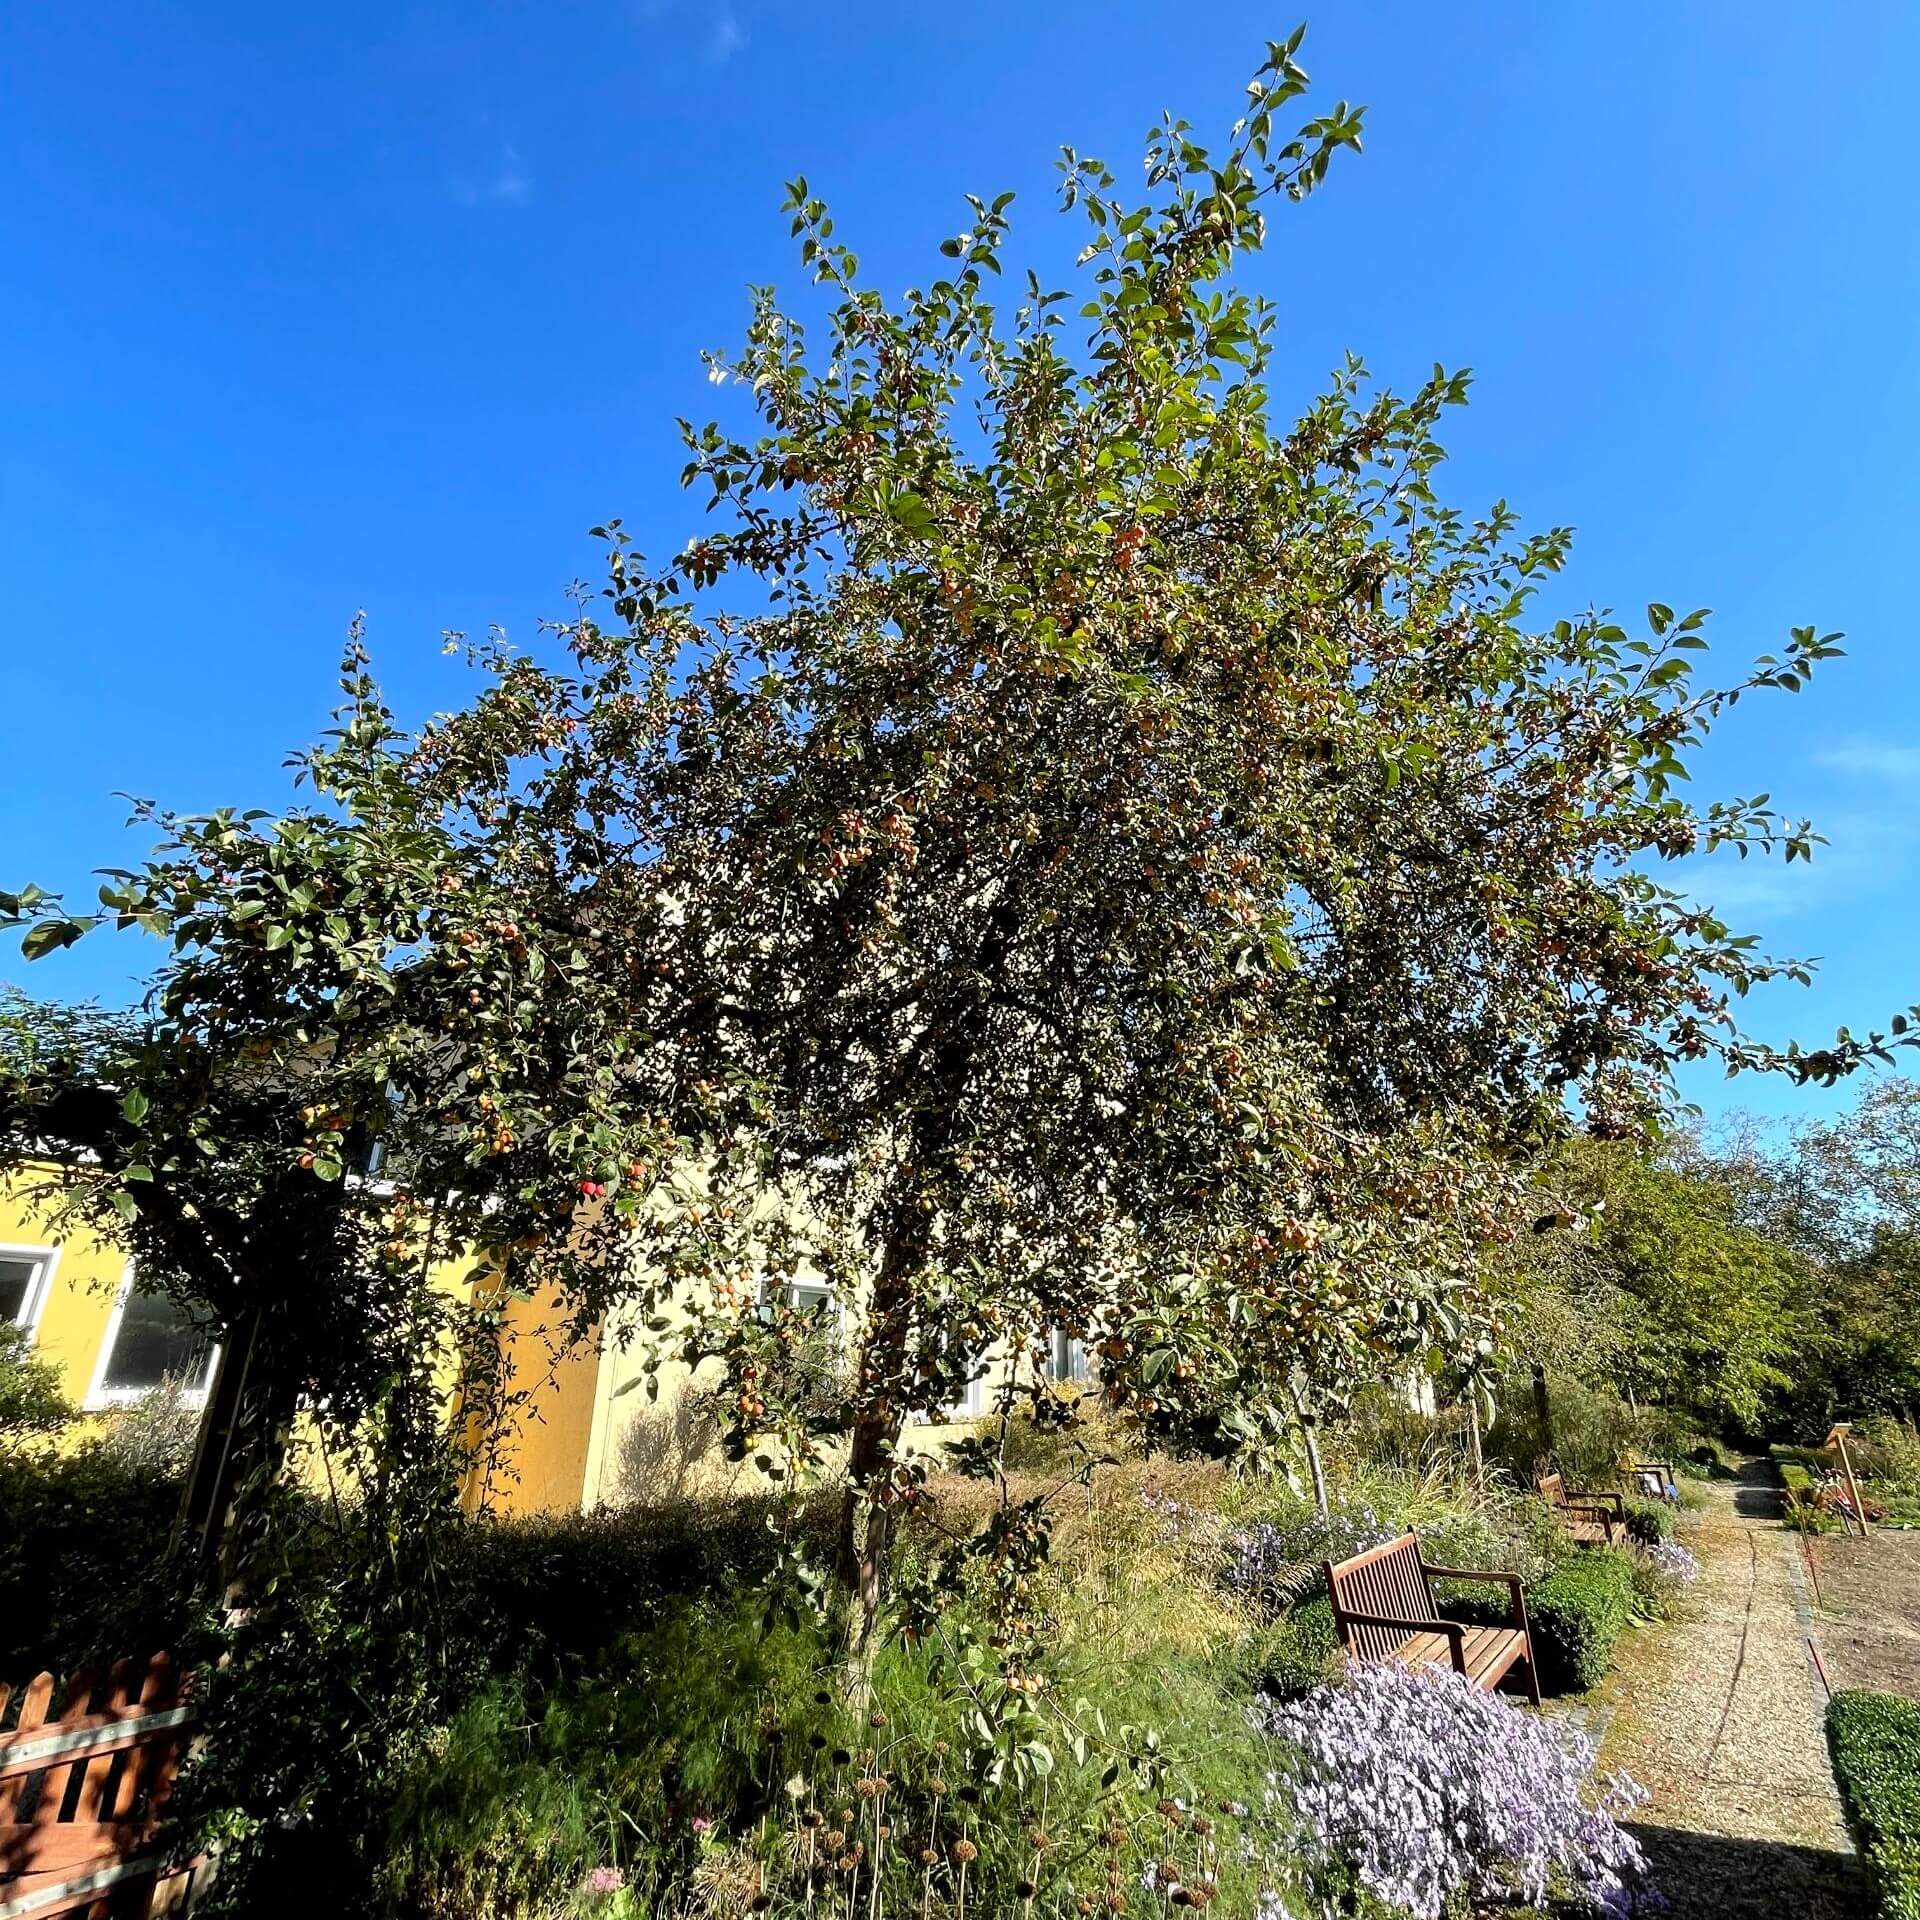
pixel 585 1434
pixel 69 1322
pixel 539 1464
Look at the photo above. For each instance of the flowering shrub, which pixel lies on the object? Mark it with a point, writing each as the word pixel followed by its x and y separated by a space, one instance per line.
pixel 1426 1788
pixel 1267 1560
pixel 1260 1558
pixel 1673 1562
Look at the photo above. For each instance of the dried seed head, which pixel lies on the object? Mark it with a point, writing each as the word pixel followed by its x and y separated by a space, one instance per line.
pixel 965 1850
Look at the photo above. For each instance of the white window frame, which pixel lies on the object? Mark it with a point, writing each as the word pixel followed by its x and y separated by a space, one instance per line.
pixel 971 1406
pixel 776 1293
pixel 46 1261
pixel 101 1398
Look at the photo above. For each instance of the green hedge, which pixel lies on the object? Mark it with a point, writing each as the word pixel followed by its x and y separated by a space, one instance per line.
pixel 1650 1521
pixel 84 1571
pixel 1577 1612
pixel 1875 1739
pixel 1298 1650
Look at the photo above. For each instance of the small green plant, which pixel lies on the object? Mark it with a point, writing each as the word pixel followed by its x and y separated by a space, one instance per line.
pixel 1875 1741
pixel 1577 1613
pixel 1298 1651
pixel 1650 1521
pixel 32 1407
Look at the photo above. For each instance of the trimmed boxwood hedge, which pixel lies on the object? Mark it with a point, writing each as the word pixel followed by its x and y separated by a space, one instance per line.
pixel 1297 1651
pixel 1875 1738
pixel 1577 1612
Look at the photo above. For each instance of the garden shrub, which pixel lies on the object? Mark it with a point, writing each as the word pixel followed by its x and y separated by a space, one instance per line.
pixel 85 1574
pixel 1577 1612
pixel 1589 1433
pixel 1432 1792
pixel 1298 1651
pixel 32 1404
pixel 1875 1740
pixel 1660 1572
pixel 1649 1521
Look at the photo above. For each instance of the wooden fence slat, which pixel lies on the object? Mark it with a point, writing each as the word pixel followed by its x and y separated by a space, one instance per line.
pixel 33 1708
pixel 100 1769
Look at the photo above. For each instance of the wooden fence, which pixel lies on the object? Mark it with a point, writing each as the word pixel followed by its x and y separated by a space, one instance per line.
pixel 82 1792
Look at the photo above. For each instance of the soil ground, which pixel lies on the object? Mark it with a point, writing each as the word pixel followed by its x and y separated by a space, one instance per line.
pixel 1719 1714
pixel 1868 1610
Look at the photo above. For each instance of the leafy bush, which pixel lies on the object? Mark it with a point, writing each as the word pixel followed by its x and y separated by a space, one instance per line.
pixel 1660 1573
pixel 1577 1612
pixel 1875 1739
pixel 31 1403
pixel 714 1767
pixel 1298 1651
pixel 1891 1450
pixel 1429 1790
pixel 1587 1436
pixel 156 1434
pixel 1649 1521
pixel 85 1573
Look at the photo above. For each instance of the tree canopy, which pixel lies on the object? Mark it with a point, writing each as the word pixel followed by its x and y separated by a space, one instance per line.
pixel 1074 847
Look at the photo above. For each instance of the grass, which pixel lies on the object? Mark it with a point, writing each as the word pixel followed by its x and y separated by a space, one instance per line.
pixel 1875 1739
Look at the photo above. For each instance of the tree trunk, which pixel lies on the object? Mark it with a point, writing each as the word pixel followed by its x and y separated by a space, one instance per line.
pixel 1318 1471
pixel 864 1551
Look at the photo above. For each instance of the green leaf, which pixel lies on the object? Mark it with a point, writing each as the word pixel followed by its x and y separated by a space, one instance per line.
pixel 911 512
pixel 49 936
pixel 134 1106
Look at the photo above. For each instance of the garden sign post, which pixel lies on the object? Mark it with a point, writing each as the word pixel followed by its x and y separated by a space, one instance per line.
pixel 1837 1438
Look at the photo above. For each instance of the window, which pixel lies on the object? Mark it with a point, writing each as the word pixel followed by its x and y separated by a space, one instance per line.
pixel 149 1341
pixel 24 1272
pixel 1066 1356
pixel 969 1404
pixel 803 1296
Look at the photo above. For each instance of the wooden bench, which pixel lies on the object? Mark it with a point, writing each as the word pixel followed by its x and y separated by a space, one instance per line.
pixel 1655 1480
pixel 1383 1609
pixel 81 1793
pixel 1590 1519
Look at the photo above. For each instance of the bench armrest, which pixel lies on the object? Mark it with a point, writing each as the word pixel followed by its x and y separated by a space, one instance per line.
pixel 1517 1614
pixel 1455 1632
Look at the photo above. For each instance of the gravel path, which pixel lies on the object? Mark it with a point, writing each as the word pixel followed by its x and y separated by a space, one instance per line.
pixel 1719 1716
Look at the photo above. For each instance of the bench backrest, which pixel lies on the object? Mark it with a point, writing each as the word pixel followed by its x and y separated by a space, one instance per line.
pixel 1387 1580
pixel 1552 1488
pixel 82 1789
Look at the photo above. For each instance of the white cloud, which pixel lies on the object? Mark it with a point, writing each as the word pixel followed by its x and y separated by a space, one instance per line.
pixel 512 183
pixel 725 37
pixel 507 184
pixel 1871 759
pixel 1866 855
pixel 723 34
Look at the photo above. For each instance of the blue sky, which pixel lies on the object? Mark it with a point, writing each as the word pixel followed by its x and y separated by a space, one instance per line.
pixel 312 309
